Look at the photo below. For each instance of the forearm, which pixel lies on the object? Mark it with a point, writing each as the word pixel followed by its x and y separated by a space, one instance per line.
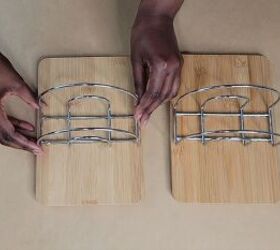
pixel 168 8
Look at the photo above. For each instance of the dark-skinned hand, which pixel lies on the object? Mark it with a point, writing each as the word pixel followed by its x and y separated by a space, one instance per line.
pixel 156 63
pixel 14 132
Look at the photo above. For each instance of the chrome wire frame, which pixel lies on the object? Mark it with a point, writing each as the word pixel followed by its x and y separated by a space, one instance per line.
pixel 46 138
pixel 242 134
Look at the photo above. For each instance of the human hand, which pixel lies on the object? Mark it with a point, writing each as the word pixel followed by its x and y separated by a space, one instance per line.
pixel 14 132
pixel 156 63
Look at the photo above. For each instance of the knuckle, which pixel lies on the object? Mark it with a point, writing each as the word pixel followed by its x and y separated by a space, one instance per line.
pixel 176 62
pixel 161 64
pixel 149 94
pixel 162 67
pixel 172 63
pixel 153 94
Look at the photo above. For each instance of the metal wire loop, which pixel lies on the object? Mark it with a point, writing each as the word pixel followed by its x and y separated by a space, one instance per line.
pixel 124 135
pixel 242 134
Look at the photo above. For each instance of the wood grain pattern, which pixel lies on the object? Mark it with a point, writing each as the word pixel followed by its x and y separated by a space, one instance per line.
pixel 221 172
pixel 96 173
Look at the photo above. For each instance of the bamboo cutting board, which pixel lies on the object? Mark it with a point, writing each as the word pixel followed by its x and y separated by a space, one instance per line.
pixel 85 174
pixel 224 171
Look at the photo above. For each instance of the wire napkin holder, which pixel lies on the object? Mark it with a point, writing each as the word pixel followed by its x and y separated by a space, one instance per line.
pixel 241 134
pixel 109 130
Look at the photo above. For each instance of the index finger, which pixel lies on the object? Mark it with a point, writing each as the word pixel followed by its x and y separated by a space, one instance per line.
pixel 165 92
pixel 27 95
pixel 26 143
pixel 152 93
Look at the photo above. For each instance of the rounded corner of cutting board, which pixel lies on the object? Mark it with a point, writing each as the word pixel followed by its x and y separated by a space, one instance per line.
pixel 176 196
pixel 39 199
pixel 139 199
pixel 43 61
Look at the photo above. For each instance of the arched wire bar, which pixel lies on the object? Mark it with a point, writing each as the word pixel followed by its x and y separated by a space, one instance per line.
pixel 86 139
pixel 125 136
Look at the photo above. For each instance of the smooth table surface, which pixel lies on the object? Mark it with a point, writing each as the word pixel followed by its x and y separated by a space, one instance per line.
pixel 32 29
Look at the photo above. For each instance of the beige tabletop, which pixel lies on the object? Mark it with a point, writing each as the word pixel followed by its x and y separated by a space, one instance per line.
pixel 31 29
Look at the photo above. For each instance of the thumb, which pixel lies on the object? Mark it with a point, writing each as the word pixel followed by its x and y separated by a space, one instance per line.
pixel 27 95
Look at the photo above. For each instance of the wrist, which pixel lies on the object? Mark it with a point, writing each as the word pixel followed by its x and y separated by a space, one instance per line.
pixel 150 20
pixel 159 8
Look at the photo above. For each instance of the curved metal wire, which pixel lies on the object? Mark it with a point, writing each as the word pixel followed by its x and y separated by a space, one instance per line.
pixel 222 97
pixel 97 97
pixel 230 86
pixel 197 136
pixel 131 136
pixel 87 139
pixel 86 84
pixel 89 97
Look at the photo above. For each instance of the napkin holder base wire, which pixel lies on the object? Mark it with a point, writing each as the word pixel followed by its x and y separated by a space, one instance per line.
pixel 45 138
pixel 240 134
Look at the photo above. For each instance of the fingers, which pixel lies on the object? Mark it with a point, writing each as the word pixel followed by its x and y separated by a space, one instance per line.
pixel 20 124
pixel 138 75
pixel 27 95
pixel 12 83
pixel 152 93
pixel 17 140
pixel 26 143
pixel 165 92
pixel 163 84
pixel 9 136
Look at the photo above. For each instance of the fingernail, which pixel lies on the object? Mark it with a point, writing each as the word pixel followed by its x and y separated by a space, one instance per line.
pixel 35 105
pixel 30 127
